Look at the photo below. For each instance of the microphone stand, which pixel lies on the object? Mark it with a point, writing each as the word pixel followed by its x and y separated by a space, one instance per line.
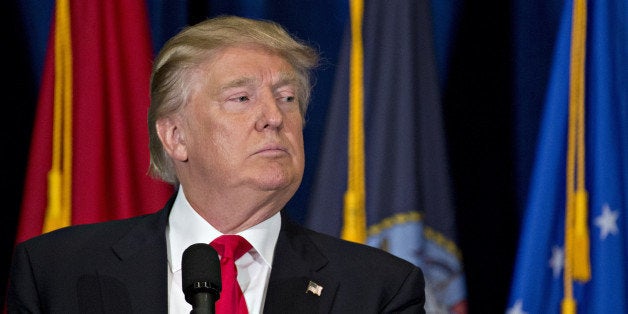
pixel 204 299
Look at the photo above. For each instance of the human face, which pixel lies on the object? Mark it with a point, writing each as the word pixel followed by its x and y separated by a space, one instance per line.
pixel 244 127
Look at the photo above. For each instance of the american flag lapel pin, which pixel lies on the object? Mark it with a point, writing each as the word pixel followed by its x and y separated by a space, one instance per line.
pixel 314 288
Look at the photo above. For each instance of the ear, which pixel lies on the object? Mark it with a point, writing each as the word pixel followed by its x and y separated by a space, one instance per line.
pixel 172 137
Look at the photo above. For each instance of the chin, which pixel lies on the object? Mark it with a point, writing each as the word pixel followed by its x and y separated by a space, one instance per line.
pixel 271 178
pixel 273 185
pixel 278 183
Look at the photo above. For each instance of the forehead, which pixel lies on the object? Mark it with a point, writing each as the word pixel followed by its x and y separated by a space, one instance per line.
pixel 246 59
pixel 245 66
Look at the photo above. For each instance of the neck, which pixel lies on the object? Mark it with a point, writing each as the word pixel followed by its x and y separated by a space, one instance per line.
pixel 234 212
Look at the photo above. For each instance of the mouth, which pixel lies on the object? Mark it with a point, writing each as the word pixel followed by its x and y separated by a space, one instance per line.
pixel 273 150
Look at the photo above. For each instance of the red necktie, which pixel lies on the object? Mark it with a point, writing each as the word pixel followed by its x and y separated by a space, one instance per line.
pixel 230 248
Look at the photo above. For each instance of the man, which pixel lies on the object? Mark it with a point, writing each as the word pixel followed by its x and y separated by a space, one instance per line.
pixel 228 99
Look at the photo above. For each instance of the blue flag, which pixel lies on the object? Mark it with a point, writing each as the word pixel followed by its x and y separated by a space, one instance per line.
pixel 537 285
pixel 409 204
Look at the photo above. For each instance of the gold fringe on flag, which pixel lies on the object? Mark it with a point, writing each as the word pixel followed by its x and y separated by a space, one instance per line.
pixel 577 265
pixel 354 213
pixel 58 213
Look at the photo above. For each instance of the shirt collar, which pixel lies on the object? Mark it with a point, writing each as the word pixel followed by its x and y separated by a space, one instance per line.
pixel 187 227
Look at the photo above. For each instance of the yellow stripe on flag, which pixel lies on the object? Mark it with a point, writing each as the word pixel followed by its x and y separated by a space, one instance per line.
pixel 354 224
pixel 58 212
pixel 577 265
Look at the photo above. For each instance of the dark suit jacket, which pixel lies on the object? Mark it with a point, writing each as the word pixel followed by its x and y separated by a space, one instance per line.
pixel 121 267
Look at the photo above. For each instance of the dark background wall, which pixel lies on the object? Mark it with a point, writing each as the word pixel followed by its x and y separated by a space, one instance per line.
pixel 493 58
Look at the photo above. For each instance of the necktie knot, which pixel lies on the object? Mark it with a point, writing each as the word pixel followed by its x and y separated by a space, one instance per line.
pixel 231 246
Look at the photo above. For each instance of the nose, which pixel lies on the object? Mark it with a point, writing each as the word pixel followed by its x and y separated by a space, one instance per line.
pixel 271 116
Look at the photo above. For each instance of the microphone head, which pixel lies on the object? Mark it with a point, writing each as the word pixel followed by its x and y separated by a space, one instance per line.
pixel 200 271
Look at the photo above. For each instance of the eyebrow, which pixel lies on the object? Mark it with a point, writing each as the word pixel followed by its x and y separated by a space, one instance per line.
pixel 242 81
pixel 284 79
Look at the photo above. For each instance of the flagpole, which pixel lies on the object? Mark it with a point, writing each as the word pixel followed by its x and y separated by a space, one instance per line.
pixel 354 213
pixel 576 266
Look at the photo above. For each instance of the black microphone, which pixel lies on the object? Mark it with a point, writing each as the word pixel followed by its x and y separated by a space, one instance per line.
pixel 200 271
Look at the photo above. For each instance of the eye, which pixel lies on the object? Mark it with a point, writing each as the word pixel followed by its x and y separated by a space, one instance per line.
pixel 289 99
pixel 239 99
pixel 242 99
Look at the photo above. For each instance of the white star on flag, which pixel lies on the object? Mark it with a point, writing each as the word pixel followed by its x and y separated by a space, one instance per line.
pixel 557 260
pixel 607 222
pixel 517 308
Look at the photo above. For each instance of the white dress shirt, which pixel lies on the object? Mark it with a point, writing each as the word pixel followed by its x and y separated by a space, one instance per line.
pixel 187 227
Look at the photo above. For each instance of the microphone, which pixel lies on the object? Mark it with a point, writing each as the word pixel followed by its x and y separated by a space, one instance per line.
pixel 200 271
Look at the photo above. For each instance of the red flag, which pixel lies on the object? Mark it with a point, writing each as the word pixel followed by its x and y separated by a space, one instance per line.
pixel 111 60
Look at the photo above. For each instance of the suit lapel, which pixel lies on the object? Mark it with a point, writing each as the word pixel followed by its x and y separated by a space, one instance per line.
pixel 142 268
pixel 296 282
